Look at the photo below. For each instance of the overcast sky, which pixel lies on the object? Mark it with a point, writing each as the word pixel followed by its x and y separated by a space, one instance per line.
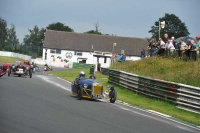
pixel 129 18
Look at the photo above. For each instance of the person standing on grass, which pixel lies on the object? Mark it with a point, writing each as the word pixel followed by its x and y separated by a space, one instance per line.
pixel 123 57
pixel 165 39
pixel 181 47
pixel 161 47
pixel 198 44
pixel 152 46
pixel 142 53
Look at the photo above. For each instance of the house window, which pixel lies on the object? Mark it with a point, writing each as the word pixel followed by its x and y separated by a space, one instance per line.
pixel 55 51
pixel 78 53
pixel 83 61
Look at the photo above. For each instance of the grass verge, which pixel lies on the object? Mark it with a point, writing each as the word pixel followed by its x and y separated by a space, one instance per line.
pixel 10 60
pixel 134 99
pixel 168 69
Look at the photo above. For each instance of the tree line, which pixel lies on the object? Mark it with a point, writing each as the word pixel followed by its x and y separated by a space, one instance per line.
pixel 33 42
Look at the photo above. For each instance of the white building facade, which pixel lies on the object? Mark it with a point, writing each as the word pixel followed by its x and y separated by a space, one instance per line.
pixel 62 49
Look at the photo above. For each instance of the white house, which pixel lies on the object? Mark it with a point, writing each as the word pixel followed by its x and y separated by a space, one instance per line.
pixel 60 46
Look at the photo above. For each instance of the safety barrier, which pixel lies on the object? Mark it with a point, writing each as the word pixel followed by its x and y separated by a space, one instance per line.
pixel 188 98
pixel 81 65
pixel 182 96
pixel 105 71
pixel 16 55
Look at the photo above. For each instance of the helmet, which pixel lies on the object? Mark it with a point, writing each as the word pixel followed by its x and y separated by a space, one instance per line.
pixel 25 62
pixel 82 74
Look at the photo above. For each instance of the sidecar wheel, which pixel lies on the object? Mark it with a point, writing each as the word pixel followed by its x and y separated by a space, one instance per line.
pixel 79 92
pixel 30 73
pixel 9 72
pixel 113 94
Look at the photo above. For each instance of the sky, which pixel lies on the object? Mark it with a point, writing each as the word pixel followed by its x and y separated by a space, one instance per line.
pixel 127 18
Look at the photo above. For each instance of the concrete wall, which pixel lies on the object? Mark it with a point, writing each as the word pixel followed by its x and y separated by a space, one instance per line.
pixel 57 62
pixel 16 55
pixel 88 56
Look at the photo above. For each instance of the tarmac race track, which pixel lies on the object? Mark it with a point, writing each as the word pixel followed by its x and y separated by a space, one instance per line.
pixel 43 104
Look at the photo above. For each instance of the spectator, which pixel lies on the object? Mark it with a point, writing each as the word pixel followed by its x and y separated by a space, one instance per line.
pixel 123 57
pixel 120 58
pixel 181 47
pixel 174 42
pixel 162 47
pixel 187 47
pixel 198 44
pixel 165 39
pixel 152 47
pixel 192 45
pixel 169 45
pixel 188 42
pixel 142 53
pixel 112 58
pixel 192 52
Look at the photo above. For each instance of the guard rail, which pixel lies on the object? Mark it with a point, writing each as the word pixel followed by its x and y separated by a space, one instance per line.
pixel 182 96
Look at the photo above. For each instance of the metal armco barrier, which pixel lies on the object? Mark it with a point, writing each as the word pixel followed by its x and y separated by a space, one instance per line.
pixel 126 80
pixel 105 71
pixel 182 96
pixel 189 98
pixel 158 89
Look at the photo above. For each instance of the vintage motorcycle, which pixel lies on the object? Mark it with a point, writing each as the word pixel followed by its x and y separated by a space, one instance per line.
pixel 47 68
pixel 4 69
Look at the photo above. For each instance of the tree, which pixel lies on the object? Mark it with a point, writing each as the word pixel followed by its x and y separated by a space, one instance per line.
pixel 34 41
pixel 59 27
pixel 3 33
pixel 173 27
pixel 96 31
pixel 12 41
pixel 93 32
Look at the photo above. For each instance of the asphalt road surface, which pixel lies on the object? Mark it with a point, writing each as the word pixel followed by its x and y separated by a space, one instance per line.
pixel 43 104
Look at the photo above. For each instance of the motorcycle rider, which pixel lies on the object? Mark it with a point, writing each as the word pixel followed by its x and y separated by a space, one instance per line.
pixel 81 75
pixel 47 66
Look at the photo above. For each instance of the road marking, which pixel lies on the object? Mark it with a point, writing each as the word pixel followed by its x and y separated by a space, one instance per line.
pixel 146 110
pixel 47 79
pixel 155 112
pixel 64 80
pixel 125 108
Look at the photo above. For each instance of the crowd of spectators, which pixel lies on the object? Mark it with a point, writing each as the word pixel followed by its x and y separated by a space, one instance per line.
pixel 169 45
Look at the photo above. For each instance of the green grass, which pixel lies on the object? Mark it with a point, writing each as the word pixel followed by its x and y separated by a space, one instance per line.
pixel 10 60
pixel 134 99
pixel 168 69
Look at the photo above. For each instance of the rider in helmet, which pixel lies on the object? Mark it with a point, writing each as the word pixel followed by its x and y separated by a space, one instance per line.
pixel 47 66
pixel 81 74
pixel 26 62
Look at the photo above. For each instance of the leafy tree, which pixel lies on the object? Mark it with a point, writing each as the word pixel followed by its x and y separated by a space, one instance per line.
pixel 3 33
pixel 93 32
pixel 34 40
pixel 59 27
pixel 173 27
pixel 12 41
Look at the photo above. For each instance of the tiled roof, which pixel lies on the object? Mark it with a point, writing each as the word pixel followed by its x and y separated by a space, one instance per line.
pixel 83 42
